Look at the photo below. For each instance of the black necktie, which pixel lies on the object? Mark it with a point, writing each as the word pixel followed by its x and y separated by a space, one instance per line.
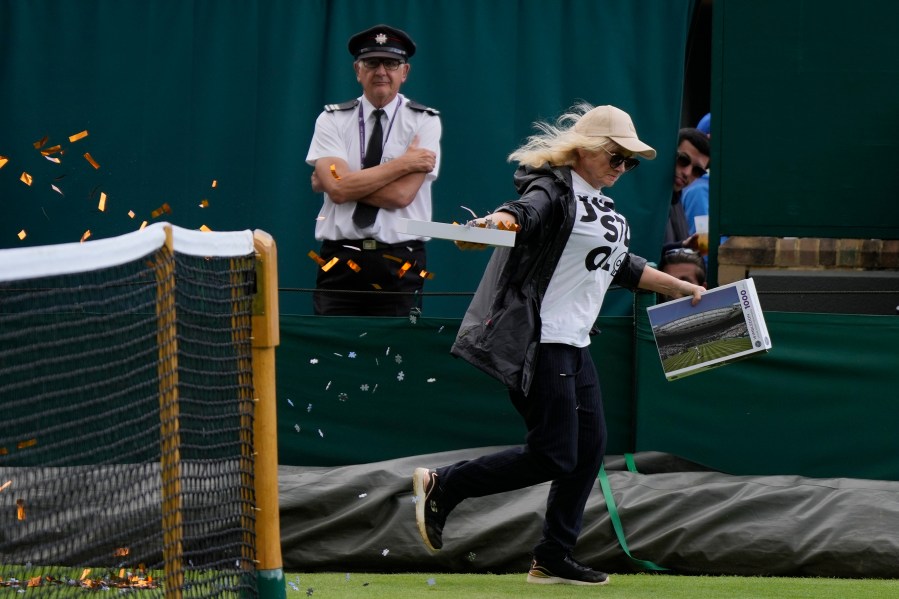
pixel 364 215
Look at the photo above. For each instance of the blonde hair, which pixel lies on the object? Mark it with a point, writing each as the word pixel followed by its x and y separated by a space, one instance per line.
pixel 558 142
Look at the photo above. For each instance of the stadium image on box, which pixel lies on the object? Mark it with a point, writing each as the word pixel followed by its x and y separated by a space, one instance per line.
pixel 725 326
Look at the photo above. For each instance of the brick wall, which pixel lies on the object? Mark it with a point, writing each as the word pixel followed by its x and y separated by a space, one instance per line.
pixel 740 254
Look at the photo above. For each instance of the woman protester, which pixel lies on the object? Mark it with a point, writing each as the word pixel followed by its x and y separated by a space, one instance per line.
pixel 529 326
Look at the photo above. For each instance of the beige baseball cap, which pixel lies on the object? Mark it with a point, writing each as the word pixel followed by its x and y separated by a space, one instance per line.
pixel 614 123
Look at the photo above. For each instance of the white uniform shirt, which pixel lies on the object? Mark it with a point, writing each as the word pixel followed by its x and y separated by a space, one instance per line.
pixel 593 254
pixel 337 134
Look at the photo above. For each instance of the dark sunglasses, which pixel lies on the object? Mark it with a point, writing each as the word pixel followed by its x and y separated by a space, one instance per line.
pixel 683 159
pixel 616 160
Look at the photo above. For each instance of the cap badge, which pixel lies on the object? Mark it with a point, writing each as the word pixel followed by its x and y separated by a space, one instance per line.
pixel 381 39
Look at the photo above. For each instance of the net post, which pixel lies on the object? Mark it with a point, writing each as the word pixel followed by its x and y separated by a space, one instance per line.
pixel 266 336
pixel 170 460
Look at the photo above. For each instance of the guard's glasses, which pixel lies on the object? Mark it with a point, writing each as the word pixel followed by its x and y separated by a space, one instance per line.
pixel 391 64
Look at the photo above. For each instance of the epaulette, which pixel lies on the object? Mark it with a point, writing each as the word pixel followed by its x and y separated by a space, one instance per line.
pixel 343 106
pixel 422 108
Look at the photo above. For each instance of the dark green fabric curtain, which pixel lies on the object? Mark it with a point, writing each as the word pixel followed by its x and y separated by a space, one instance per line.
pixel 805 135
pixel 353 390
pixel 178 93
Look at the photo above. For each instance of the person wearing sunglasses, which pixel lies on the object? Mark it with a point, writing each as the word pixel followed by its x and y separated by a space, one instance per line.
pixel 691 163
pixel 529 326
pixel 375 159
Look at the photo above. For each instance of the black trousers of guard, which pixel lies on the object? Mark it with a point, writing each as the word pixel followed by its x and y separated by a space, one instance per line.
pixel 341 291
pixel 566 441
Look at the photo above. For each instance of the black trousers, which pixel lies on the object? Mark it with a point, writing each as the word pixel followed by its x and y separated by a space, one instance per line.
pixel 565 443
pixel 380 287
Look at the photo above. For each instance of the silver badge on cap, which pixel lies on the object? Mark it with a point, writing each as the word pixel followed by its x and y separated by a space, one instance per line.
pixel 381 38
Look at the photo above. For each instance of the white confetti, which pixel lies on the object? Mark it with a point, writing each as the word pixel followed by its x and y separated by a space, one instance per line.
pixel 363 495
pixel 338 355
pixel 432 380
pixel 398 359
pixel 309 408
pixel 321 434
pixel 348 576
pixel 342 396
pixel 388 352
pixel 297 427
pixel 313 361
pixel 470 210
pixel 385 552
pixel 400 375
pixel 289 402
pixel 364 387
pixel 363 334
pixel 375 389
pixel 328 386
pixel 352 354
pixel 431 582
pixel 440 330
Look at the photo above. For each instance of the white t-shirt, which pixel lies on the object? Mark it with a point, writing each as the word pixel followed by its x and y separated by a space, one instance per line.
pixel 337 134
pixel 593 254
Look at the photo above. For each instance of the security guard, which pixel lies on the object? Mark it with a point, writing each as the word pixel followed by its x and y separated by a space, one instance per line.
pixel 374 159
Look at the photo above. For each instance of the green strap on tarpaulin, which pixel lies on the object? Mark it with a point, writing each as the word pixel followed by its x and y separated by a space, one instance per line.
pixel 616 520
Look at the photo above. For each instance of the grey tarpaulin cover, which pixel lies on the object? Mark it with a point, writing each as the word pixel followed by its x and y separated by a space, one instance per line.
pixel 677 514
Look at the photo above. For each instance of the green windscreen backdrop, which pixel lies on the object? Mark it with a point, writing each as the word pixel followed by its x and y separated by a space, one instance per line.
pixel 176 94
pixel 805 137
pixel 354 390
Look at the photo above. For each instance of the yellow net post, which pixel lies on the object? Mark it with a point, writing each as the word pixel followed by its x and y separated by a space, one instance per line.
pixel 266 337
pixel 170 460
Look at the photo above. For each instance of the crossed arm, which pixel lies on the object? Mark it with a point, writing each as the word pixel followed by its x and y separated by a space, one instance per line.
pixel 391 185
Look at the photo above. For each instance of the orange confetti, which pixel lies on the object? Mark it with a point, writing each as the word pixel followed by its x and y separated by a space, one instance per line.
pixel 131 214
pixel 20 509
pixel 26 179
pixel 318 259
pixel 34 582
pixel 143 225
pixel 53 159
pixel 404 269
pixel 5 485
pixel 89 158
pixel 204 203
pixel 51 150
pixel 334 172
pixel 164 209
pixel 205 229
pixel 85 573
pixel 426 275
pixel 77 136
pixel 22 235
pixel 121 551
pixel 102 205
pixel 215 183
pixel 3 161
pixel 25 444
pixel 330 264
pixel 86 236
pixel 394 258
pixel 353 265
pixel 376 286
pixel 37 145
